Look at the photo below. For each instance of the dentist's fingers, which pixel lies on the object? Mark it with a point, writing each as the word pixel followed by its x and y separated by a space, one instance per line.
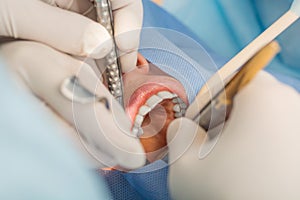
pixel 185 138
pixel 128 17
pixel 104 132
pixel 64 30
pixel 182 136
pixel 83 7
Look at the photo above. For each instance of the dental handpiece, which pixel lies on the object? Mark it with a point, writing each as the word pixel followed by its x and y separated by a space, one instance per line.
pixel 113 71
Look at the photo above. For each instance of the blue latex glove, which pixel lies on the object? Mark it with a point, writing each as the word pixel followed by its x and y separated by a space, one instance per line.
pixel 228 25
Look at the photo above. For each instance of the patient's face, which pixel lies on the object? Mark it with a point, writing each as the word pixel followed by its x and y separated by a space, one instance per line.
pixel 152 99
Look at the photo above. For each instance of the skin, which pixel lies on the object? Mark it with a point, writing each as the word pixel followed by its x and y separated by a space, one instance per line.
pixel 157 121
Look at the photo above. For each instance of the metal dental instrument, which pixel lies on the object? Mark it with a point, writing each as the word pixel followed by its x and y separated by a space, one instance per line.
pixel 75 92
pixel 217 111
pixel 113 71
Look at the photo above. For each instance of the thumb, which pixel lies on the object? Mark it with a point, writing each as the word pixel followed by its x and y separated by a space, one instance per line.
pixel 184 139
pixel 63 30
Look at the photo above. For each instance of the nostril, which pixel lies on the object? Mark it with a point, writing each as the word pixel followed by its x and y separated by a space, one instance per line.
pixel 141 60
pixel 142 63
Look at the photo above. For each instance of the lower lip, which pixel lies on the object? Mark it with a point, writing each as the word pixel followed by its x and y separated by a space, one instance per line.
pixel 141 95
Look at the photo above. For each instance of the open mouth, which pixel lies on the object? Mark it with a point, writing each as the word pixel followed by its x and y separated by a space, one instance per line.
pixel 149 98
pixel 153 99
pixel 152 107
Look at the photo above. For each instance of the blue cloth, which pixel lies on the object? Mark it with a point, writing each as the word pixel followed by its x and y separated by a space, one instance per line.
pixel 174 48
pixel 147 183
pixel 227 26
pixel 37 162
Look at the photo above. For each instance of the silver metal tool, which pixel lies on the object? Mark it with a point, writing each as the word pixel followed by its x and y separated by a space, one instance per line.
pixel 73 90
pixel 113 71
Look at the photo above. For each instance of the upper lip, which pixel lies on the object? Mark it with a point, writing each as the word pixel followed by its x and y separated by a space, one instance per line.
pixel 150 88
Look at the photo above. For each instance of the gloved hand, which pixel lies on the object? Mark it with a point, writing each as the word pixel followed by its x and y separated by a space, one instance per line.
pixel 70 32
pixel 257 155
pixel 44 64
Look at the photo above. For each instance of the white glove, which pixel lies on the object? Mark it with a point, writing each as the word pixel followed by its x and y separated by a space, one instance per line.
pixel 70 32
pixel 257 155
pixel 44 67
pixel 106 133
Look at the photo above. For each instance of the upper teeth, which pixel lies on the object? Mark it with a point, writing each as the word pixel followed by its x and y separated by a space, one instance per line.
pixel 144 110
pixel 138 120
pixel 166 95
pixel 153 101
pixel 179 109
